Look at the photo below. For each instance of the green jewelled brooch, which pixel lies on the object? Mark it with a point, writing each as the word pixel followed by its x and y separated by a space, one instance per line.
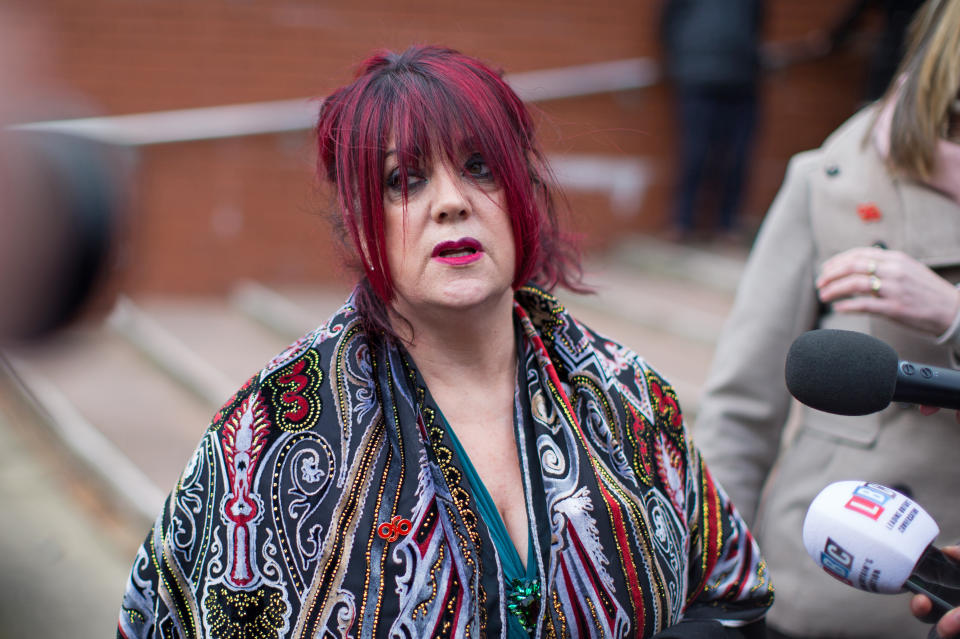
pixel 523 601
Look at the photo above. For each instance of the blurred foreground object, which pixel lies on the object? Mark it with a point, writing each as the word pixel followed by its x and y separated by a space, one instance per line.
pixel 59 213
pixel 60 195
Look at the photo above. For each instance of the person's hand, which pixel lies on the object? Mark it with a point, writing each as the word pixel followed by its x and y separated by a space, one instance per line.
pixel 949 625
pixel 891 284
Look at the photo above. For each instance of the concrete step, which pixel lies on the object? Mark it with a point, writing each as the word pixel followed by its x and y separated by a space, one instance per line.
pixel 65 552
pixel 125 418
pixel 204 343
pixel 132 396
pixel 289 311
pixel 658 302
pixel 716 267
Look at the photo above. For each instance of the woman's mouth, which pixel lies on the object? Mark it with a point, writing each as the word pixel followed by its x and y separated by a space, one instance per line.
pixel 466 250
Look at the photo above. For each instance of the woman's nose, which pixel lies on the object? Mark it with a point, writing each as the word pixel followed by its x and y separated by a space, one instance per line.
pixel 449 200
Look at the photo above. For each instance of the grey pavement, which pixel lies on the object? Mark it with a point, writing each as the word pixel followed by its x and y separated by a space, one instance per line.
pixel 64 552
pixel 110 412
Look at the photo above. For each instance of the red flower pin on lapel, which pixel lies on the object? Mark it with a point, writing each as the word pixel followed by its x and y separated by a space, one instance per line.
pixel 869 212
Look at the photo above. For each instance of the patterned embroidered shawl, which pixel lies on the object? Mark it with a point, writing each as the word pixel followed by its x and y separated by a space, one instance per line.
pixel 324 501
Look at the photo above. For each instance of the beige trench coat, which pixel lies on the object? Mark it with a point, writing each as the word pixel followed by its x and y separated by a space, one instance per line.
pixel 746 404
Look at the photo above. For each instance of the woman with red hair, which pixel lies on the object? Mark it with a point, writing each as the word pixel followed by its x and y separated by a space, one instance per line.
pixel 451 454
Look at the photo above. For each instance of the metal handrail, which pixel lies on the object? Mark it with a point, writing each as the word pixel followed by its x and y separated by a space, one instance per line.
pixel 238 120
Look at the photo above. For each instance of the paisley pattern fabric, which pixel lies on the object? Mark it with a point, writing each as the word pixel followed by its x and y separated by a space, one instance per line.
pixel 325 501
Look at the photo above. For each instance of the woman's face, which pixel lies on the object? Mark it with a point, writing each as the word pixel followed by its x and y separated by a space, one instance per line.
pixel 454 248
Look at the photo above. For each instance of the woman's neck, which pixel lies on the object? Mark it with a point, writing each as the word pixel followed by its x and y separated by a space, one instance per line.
pixel 468 359
pixel 452 345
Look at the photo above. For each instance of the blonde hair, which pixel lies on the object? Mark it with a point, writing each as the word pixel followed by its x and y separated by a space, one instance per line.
pixel 930 74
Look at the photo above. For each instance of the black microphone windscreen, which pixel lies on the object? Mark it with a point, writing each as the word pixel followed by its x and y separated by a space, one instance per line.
pixel 842 372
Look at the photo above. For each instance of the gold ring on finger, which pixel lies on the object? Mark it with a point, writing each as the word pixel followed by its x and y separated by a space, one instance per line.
pixel 875 285
pixel 871 267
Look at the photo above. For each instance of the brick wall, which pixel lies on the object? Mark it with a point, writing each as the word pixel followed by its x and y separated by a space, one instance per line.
pixel 210 212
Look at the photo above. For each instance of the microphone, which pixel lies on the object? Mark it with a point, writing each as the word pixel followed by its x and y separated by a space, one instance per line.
pixel 850 373
pixel 876 539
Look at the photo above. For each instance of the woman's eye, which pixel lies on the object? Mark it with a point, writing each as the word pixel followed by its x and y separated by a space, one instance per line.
pixel 476 167
pixel 395 180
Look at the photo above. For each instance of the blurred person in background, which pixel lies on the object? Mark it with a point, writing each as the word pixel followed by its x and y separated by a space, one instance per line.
pixel 886 51
pixel 712 57
pixel 451 454
pixel 864 235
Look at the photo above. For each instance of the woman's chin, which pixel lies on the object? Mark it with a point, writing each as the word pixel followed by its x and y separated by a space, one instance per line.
pixel 467 297
pixel 463 298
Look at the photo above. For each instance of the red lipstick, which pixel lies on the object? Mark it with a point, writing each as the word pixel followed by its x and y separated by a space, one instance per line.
pixel 466 250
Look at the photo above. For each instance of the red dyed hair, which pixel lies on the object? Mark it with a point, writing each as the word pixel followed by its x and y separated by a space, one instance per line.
pixel 432 98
